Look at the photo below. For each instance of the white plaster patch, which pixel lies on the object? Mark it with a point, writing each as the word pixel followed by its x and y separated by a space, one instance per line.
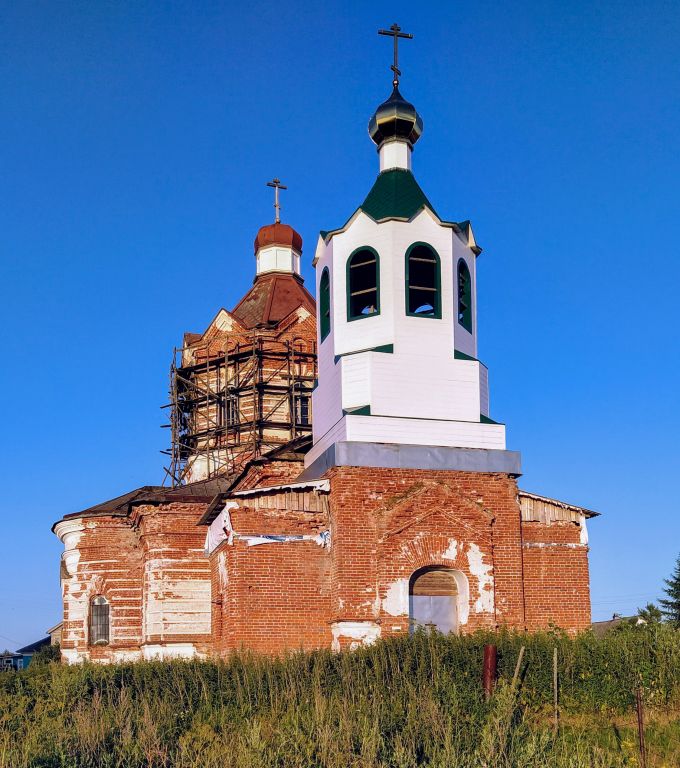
pixel 484 603
pixel 70 532
pixel 463 597
pixel 451 551
pixel 223 321
pixel 584 530
pixel 360 632
pixel 175 606
pixel 123 656
pixel 222 570
pixel 172 651
pixel 72 656
pixel 395 602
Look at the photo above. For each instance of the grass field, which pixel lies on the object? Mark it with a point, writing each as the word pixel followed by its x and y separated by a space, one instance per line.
pixel 407 702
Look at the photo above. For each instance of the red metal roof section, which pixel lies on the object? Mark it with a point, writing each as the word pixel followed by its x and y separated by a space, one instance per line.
pixel 278 234
pixel 271 299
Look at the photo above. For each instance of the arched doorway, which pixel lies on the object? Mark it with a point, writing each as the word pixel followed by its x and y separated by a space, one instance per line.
pixel 433 598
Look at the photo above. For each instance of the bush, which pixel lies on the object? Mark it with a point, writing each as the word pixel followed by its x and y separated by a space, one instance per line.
pixel 48 654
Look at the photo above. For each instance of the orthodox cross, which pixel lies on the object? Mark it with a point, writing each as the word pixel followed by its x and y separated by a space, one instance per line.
pixel 276 183
pixel 395 32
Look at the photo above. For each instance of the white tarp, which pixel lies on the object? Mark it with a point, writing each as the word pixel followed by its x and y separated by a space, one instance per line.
pixel 221 530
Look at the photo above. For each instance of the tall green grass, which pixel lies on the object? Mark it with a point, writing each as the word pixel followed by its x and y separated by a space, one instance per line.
pixel 405 702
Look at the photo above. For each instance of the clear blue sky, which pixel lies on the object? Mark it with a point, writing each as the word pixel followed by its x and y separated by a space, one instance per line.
pixel 135 141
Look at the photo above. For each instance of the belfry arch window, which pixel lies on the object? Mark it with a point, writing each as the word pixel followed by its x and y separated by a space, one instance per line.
pixel 325 304
pixel 434 598
pixel 363 283
pixel 99 621
pixel 423 281
pixel 464 296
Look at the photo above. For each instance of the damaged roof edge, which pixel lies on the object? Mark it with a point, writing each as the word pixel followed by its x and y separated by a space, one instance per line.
pixel 319 485
pixel 217 503
pixel 564 504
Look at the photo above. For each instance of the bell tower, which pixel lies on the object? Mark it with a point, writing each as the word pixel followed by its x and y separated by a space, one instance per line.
pixel 397 327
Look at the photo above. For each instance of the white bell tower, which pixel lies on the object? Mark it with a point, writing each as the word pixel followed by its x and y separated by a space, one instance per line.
pixel 397 314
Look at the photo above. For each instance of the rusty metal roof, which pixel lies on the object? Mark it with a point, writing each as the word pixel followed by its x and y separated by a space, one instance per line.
pixel 271 299
pixel 201 491
pixel 278 234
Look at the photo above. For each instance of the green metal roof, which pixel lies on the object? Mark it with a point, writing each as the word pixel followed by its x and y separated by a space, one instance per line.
pixel 395 195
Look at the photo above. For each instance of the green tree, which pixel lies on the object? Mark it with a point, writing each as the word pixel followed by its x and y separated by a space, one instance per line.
pixel 671 607
pixel 650 614
pixel 46 655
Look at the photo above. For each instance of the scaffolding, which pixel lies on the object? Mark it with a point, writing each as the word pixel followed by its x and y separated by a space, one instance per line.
pixel 227 407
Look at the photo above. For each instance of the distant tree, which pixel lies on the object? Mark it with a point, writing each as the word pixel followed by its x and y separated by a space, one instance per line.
pixel 46 655
pixel 645 618
pixel 650 614
pixel 671 607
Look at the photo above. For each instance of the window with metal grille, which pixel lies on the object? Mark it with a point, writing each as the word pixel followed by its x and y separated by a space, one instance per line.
pixel 363 284
pixel 99 621
pixel 464 296
pixel 302 410
pixel 423 281
pixel 325 304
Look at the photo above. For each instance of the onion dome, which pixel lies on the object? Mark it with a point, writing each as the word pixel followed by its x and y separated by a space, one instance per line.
pixel 278 234
pixel 395 118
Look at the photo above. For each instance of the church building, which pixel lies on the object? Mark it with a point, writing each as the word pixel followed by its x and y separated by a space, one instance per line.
pixel 310 500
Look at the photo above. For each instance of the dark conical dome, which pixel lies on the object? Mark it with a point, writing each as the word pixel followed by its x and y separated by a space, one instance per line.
pixel 395 118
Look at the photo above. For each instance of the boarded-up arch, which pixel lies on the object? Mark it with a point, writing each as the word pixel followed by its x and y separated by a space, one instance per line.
pixel 434 599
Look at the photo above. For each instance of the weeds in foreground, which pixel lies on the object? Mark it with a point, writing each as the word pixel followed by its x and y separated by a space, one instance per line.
pixel 401 703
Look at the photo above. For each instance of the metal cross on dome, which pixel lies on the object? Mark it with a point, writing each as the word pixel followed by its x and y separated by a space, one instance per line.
pixel 277 185
pixel 395 32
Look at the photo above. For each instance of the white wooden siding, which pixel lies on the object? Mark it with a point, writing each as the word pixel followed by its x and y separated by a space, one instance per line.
pixel 430 397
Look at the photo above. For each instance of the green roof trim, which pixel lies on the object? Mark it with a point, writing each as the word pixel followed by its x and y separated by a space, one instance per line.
pixel 323 234
pixel 395 195
pixel 486 420
pixel 362 410
pixel 387 348
pixel 458 355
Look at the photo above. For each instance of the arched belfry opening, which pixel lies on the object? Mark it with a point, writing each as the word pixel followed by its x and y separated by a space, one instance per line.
pixel 434 599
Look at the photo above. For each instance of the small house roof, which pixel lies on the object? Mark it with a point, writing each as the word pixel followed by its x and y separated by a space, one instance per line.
pixel 33 647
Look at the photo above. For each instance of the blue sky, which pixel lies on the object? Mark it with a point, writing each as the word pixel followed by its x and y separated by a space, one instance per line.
pixel 135 142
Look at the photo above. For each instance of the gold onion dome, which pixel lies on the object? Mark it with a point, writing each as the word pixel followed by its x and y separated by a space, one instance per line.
pixel 395 118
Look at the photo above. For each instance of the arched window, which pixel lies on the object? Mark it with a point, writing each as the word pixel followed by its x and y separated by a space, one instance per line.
pixel 99 621
pixel 433 600
pixel 325 304
pixel 464 296
pixel 363 284
pixel 423 281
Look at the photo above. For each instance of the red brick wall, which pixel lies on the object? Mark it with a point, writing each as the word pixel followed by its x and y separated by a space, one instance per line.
pixel 266 473
pixel 388 523
pixel 385 525
pixel 556 580
pixel 271 598
pixel 176 574
pixel 151 568
pixel 106 561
